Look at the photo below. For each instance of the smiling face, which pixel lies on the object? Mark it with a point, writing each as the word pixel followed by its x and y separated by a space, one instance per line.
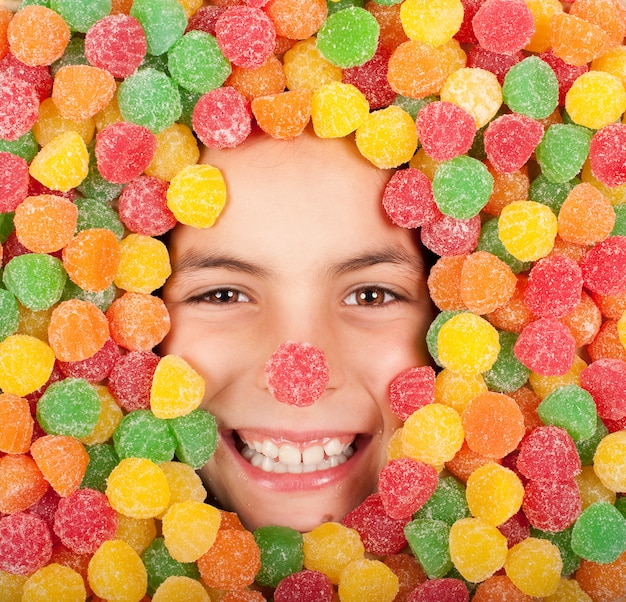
pixel 302 252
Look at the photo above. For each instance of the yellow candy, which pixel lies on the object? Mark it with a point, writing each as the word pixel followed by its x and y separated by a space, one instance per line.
pixel 197 195
pixel 177 388
pixel 431 21
pixel 25 364
pixel 54 583
pixel 527 230
pixel 613 61
pixel 63 163
pixel 138 533
pixel 433 434
pixel 609 461
pixel 305 67
pixel 475 90
pixel 367 581
pixel 457 390
pixel 468 344
pixel 543 11
pixel 176 148
pixel 51 123
pixel 621 329
pixel 144 264
pixel 494 493
pixel 453 56
pixel 394 447
pixel 477 549
pixel 190 6
pixel 189 529
pixel 596 99
pixel 337 109
pixel 110 416
pixel 534 566
pixel 424 163
pixel 138 488
pixel 184 483
pixel 544 385
pixel 331 547
pixel 12 586
pixel 110 114
pixel 116 573
pixel 34 323
pixel 591 488
pixel 568 591
pixel 180 589
pixel 388 137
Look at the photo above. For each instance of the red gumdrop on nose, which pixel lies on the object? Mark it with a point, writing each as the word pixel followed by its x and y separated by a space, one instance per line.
pixel 297 374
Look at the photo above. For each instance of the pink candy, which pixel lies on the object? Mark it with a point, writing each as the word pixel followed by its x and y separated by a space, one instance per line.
pixel 297 374
pixel 552 505
pixel 410 390
pixel 449 236
pixel 95 368
pixel 408 199
pixel 130 379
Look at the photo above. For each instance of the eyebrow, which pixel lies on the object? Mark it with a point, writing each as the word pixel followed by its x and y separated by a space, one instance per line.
pixel 376 257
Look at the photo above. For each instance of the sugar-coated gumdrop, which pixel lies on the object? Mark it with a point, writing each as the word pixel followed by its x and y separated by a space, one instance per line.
pixel 367 580
pixel 284 115
pixel 180 589
pixel 563 150
pixel 131 378
pixel 28 486
pixel 448 236
pixel 371 79
pixel 102 460
pixel 16 426
pixel 160 565
pixel 297 19
pixel 605 380
pixel 20 107
pixel 603 267
pixel 503 26
pixel 606 154
pixel 571 408
pixel 328 122
pixel 52 581
pixel 25 545
pixel 282 552
pixel 163 21
pixel 411 389
pixel 534 566
pixel 26 363
pixel 143 206
pixel 408 199
pixel 446 589
pixel 591 40
pixel 297 373
pixel 552 505
pixel 428 540
pixel 507 374
pixel 177 389
pixel 82 14
pixel 13 181
pixel 140 434
pixel 431 22
pixel 599 533
pixel 307 586
pixel 144 264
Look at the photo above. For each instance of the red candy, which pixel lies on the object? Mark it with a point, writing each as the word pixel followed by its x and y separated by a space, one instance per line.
pixel 566 74
pixel 13 181
pixel 116 43
pixel 305 586
pixel 466 35
pixel 607 154
pixel 410 390
pixel 548 453
pixel 143 207
pixel 605 380
pixel 222 118
pixel 246 36
pixel 546 347
pixel 123 151
pixel 446 589
pixel 19 107
pixel 498 64
pixel 450 236
pixel 604 266
pixel 84 520
pixel 297 374
pixel 408 199
pixel 554 287
pixel 503 26
pixel 445 130
pixel 204 19
pixel 130 379
pixel 38 77
pixel 371 79
pixel 552 505
pixel 25 543
pixel 95 368
pixel 381 535
pixel 510 140
pixel 516 529
pixel 405 485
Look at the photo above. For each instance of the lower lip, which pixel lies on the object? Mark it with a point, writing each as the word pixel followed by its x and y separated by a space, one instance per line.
pixel 287 482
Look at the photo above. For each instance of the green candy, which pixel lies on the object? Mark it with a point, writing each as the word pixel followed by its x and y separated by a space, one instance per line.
pixel 163 21
pixel 141 434
pixel 433 332
pixel 6 226
pixel 428 540
pixel 150 98
pixel 69 407
pixel 335 7
pixel 348 37
pixel 93 213
pixel 462 187
pixel 508 373
pixel 9 314
pixel 281 553
pixel 587 448
pixel 563 151
pixel 552 194
pixel 25 146
pixel 102 460
pixel 489 241
pixel 196 437
pixel 74 55
pixel 563 541
pixel 599 534
pixel 448 502
pixel 160 565
pixel 413 105
pixel 619 229
pixel 531 88
pixel 188 101
pixel 80 15
pixel 197 64
pixel 571 408
pixel 620 504
pixel 36 279
pixel 94 186
pixel 101 300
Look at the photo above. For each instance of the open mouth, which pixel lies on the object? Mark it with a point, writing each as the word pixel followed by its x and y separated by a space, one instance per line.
pixel 281 457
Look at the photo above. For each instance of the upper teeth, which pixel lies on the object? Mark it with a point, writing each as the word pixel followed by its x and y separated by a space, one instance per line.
pixel 287 457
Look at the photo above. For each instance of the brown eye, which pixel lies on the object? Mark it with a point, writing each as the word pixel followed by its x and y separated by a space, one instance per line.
pixel 370 296
pixel 225 295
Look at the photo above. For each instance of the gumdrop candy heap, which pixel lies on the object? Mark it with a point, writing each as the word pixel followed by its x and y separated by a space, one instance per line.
pixel 505 119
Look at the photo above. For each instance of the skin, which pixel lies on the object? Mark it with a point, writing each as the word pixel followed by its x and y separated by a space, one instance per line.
pixel 302 252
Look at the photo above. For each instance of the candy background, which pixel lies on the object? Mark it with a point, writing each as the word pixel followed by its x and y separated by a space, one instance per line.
pixel 518 185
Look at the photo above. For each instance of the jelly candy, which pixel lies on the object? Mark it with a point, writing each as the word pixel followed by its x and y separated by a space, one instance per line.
pixel 144 264
pixel 365 579
pixel 297 19
pixel 16 353
pixel 53 580
pixel 328 122
pixel 25 545
pixel 141 434
pixel 534 566
pixel 307 586
pixel 605 154
pixel 163 22
pixel 411 389
pixel 28 485
pixel 552 505
pixel 408 199
pixel 571 408
pixel 431 22
pixel 428 540
pixel 507 373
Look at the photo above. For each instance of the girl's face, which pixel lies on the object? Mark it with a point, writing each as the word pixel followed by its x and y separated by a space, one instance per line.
pixel 302 252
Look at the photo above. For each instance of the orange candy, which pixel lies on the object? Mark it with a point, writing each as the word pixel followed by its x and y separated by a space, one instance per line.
pixel 121 7
pixel 5 18
pixel 138 322
pixel 62 460
pixel 77 330
pixel 296 19
pixel 577 41
pixel 16 424
pixel 584 321
pixel 528 402
pixel 391 30
pixel 444 282
pixel 507 187
pixel 611 306
pixel 23 483
pixel 284 115
pixel 269 78
pixel 45 223
pixel 498 588
pixel 603 582
pixel 513 316
pixel 92 258
pixel 465 462
pixel 38 35
pixel 487 283
pixel 607 14
pixel 409 573
pixel 607 343
pixel 81 91
pixel 569 249
pixel 232 562
pixel 493 424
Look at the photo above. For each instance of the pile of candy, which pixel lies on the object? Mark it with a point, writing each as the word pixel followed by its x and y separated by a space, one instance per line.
pixel 508 113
